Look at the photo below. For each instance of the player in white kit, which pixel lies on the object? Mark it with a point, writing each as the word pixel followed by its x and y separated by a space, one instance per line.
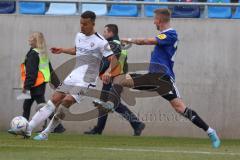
pixel 89 49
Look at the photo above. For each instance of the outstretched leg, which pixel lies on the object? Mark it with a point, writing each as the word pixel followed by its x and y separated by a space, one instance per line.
pixel 45 112
pixel 177 103
pixel 190 114
pixel 56 120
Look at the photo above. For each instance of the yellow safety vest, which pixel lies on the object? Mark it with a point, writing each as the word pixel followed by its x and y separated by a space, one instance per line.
pixel 122 59
pixel 118 69
pixel 43 72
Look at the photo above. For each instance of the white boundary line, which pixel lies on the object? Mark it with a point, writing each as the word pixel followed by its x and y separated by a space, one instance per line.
pixel 125 149
pixel 170 151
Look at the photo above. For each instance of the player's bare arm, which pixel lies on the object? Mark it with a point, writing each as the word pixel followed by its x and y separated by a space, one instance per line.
pixel 71 51
pixel 113 63
pixel 139 41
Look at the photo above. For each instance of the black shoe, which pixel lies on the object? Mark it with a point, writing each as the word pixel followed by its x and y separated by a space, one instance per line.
pixel 139 129
pixel 59 129
pixel 93 131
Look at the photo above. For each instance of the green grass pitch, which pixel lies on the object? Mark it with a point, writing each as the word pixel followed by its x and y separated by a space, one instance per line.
pixel 82 147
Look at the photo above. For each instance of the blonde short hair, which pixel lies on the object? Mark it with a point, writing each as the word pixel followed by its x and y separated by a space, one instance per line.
pixel 164 14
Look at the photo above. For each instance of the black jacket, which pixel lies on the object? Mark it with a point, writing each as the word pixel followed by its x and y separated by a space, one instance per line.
pixel 31 66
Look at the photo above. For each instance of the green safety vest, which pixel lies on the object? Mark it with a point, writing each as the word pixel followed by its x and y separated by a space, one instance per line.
pixel 43 65
pixel 43 69
pixel 122 60
pixel 122 57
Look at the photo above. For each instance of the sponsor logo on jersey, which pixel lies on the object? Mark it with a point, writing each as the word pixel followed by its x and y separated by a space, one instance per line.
pixel 162 36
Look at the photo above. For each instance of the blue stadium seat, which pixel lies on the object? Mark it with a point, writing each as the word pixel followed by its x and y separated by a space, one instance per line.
pixel 123 10
pixel 98 9
pixel 7 7
pixel 219 12
pixel 185 11
pixel 236 14
pixel 32 7
pixel 62 9
pixel 149 9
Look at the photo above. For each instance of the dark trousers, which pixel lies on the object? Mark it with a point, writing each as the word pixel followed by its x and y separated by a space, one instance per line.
pixel 121 109
pixel 27 104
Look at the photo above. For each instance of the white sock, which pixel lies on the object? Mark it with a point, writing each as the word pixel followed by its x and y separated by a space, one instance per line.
pixel 52 125
pixel 41 115
pixel 210 130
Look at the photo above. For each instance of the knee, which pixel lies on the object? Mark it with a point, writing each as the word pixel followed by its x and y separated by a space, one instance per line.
pixel 124 80
pixel 57 98
pixel 127 83
pixel 68 101
pixel 117 79
pixel 179 107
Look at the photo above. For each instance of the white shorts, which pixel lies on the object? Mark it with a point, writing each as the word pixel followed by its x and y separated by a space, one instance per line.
pixel 77 92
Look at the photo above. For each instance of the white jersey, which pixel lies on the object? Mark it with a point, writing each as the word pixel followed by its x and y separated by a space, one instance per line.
pixel 89 53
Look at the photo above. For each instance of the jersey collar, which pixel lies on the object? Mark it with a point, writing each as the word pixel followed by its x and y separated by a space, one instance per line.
pixel 166 30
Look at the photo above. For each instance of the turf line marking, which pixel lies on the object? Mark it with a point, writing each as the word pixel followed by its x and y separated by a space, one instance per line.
pixel 124 149
pixel 170 151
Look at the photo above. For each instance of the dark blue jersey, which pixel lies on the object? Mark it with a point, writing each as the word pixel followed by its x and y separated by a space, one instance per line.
pixel 162 58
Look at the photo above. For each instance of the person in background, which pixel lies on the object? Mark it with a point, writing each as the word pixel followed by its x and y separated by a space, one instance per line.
pixel 111 35
pixel 35 74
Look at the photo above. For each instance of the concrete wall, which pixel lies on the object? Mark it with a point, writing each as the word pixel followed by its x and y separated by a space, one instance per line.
pixel 207 71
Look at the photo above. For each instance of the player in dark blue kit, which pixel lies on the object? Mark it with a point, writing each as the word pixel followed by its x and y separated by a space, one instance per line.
pixel 161 73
